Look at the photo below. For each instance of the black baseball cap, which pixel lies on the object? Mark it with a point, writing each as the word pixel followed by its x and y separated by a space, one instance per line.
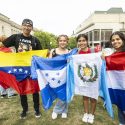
pixel 27 21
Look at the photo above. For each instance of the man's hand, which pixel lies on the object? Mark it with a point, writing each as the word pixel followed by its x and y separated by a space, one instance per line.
pixel 1 44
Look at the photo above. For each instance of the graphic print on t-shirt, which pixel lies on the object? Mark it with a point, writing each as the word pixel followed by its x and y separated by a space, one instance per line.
pixel 24 45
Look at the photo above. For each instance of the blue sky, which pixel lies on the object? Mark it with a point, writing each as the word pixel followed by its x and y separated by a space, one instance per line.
pixel 55 16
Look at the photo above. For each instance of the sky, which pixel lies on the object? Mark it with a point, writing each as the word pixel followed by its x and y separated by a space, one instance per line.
pixel 55 16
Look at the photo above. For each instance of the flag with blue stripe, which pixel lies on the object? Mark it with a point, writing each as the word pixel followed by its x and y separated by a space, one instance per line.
pixel 116 78
pixel 51 75
pixel 104 92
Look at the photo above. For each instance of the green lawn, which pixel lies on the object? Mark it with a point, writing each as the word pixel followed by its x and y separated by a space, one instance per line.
pixel 10 110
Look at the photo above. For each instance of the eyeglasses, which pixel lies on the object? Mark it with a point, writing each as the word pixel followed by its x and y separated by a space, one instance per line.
pixel 27 26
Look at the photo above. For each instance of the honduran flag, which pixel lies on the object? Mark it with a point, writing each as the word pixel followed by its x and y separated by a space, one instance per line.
pixel 51 74
pixel 15 69
pixel 116 78
pixel 52 77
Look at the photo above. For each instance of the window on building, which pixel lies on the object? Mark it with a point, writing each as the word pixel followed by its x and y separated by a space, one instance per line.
pixel 11 31
pixel 87 34
pixel 3 30
pixel 90 35
pixel 123 32
pixel 89 42
pixel 96 35
pixel 108 34
pixel 105 34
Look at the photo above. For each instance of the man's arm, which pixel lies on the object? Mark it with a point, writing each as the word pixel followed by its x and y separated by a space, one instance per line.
pixel 38 45
pixel 9 42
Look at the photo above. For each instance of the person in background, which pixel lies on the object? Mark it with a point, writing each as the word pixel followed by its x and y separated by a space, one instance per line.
pixel 88 117
pixel 107 50
pixel 25 42
pixel 98 48
pixel 60 107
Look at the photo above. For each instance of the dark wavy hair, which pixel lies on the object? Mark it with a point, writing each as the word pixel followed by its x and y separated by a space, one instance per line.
pixel 81 35
pixel 122 37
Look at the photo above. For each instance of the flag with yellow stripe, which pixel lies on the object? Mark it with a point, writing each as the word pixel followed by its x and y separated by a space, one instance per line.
pixel 15 68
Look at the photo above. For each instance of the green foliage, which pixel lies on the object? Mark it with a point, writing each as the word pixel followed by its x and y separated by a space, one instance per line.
pixel 72 42
pixel 46 39
pixel 49 40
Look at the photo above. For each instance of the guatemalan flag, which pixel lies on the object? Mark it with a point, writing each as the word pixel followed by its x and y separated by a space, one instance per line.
pixel 86 70
pixel 86 76
pixel 116 78
pixel 51 74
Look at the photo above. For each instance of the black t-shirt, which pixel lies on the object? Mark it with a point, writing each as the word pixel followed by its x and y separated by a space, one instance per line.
pixel 22 43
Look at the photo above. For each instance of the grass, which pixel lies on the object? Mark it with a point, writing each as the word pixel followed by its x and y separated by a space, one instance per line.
pixel 10 110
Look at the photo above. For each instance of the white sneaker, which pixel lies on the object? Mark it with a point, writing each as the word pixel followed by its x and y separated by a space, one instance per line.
pixel 85 117
pixel 64 115
pixel 91 119
pixel 54 115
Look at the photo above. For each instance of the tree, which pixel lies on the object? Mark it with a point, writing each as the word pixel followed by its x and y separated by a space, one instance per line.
pixel 46 39
pixel 72 42
pixel 49 40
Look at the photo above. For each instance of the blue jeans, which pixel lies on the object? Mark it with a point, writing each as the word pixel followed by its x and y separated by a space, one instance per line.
pixel 121 116
pixel 60 107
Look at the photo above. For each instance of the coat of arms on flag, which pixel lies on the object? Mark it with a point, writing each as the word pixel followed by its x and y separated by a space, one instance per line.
pixel 86 69
pixel 87 72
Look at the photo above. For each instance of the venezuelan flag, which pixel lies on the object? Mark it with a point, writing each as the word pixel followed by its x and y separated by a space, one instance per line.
pixel 15 71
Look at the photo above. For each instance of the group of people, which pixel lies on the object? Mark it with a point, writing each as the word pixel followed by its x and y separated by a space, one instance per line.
pixel 27 42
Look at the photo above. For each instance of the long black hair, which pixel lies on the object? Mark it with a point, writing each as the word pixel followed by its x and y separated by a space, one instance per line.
pixel 122 37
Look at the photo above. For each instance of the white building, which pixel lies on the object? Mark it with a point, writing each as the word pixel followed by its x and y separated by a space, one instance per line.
pixel 8 27
pixel 100 25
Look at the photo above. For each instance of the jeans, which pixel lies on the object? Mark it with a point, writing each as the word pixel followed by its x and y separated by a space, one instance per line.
pixel 60 107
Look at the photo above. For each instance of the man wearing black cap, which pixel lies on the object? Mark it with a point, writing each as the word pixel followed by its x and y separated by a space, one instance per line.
pixel 25 42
